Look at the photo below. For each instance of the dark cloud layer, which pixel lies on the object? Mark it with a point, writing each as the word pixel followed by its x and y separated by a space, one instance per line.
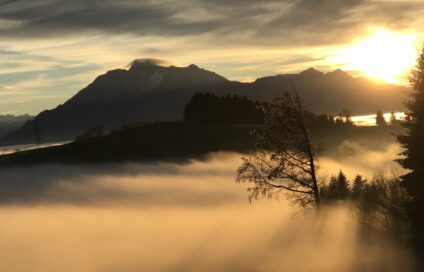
pixel 302 21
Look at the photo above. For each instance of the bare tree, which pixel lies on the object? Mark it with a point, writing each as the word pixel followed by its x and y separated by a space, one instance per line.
pixel 285 158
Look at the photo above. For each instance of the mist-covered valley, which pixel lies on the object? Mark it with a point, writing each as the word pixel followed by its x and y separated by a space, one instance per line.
pixel 188 216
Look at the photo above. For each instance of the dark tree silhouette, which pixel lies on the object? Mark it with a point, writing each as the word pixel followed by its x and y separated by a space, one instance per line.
pixel 393 119
pixel 381 205
pixel 346 115
pixel 379 118
pixel 91 133
pixel 337 189
pixel 208 108
pixel 413 159
pixel 358 187
pixel 285 158
pixel 341 185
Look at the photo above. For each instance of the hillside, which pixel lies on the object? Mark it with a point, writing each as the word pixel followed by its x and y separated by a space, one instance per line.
pixel 182 141
pixel 159 141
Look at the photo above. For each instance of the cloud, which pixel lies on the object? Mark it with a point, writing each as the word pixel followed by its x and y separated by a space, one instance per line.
pixel 253 22
pixel 151 61
pixel 53 17
pixel 241 40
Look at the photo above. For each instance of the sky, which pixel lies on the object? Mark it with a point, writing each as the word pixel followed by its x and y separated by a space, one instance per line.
pixel 51 49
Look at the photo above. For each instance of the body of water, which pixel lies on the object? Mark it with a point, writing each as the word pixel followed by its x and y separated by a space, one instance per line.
pixel 16 148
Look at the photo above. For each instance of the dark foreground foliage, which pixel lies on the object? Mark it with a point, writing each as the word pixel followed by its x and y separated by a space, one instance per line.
pixel 381 202
pixel 413 157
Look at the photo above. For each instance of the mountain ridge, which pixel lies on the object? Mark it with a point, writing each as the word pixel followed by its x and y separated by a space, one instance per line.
pixel 148 92
pixel 9 122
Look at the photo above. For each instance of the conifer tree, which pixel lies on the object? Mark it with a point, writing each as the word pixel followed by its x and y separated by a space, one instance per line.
pixel 413 155
pixel 379 119
pixel 393 119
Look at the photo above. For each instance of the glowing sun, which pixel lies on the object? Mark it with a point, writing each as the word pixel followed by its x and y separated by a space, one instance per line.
pixel 384 55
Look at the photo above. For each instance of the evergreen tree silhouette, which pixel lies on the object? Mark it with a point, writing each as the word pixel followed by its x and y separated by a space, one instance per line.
pixel 358 187
pixel 229 109
pixel 338 188
pixel 379 119
pixel 413 159
pixel 393 119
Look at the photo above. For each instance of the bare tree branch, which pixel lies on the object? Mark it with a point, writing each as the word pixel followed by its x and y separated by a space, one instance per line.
pixel 285 158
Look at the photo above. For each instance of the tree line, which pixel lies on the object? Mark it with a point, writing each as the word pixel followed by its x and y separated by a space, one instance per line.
pixel 208 108
pixel 230 109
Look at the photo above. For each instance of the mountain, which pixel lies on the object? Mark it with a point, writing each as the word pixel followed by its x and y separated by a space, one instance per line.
pixel 9 123
pixel 147 92
pixel 331 92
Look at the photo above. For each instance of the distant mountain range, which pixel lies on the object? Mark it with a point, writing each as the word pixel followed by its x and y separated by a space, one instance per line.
pixel 146 92
pixel 9 123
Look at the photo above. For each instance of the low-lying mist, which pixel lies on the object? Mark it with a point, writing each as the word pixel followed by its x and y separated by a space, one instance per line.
pixel 353 158
pixel 181 217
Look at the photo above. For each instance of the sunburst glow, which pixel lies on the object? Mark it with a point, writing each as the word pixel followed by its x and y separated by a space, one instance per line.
pixel 384 55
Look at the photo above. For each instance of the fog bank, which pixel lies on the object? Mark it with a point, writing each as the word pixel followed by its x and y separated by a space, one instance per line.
pixel 179 217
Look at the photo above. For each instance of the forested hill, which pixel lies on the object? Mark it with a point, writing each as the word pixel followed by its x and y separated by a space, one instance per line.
pixel 182 141
pixel 208 108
